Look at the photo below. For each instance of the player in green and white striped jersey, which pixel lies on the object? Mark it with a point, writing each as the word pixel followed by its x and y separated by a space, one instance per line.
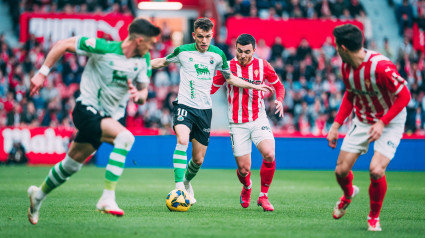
pixel 107 82
pixel 199 63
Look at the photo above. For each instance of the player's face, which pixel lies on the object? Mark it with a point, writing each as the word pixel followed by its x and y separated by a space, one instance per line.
pixel 202 39
pixel 144 44
pixel 244 53
pixel 342 52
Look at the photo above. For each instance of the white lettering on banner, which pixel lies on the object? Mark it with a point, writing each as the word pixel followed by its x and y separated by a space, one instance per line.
pixel 60 29
pixel 48 142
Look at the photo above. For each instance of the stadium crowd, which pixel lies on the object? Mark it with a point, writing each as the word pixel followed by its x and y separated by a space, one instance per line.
pixel 311 77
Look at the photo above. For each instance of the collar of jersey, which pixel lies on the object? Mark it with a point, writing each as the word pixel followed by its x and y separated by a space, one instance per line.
pixel 252 61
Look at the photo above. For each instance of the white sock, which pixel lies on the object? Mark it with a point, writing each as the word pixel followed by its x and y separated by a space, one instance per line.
pixel 40 195
pixel 180 185
pixel 108 194
pixel 262 194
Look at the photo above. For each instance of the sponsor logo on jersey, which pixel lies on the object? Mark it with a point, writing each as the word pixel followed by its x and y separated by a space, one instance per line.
pixel 265 128
pixel 201 70
pixel 119 77
pixel 256 82
pixel 360 92
pixel 190 59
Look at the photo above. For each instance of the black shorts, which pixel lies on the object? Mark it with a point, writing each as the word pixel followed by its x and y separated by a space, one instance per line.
pixel 198 121
pixel 87 120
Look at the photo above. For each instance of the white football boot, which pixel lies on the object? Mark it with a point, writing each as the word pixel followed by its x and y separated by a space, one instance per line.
pixel 35 204
pixel 189 190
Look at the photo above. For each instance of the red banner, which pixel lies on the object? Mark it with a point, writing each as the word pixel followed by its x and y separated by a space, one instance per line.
pixel 418 38
pixel 61 26
pixel 42 145
pixel 292 31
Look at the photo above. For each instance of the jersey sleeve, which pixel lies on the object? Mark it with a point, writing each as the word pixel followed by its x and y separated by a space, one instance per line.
pixel 223 64
pixel 173 57
pixel 146 72
pixel 218 81
pixel 273 79
pixel 88 46
pixel 389 78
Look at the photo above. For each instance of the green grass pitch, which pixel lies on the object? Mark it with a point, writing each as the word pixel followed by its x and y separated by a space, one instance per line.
pixel 303 202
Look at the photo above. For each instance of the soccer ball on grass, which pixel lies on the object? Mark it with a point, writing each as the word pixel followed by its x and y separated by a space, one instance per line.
pixel 178 201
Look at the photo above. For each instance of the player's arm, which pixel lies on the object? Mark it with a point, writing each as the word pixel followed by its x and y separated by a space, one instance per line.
pixel 238 82
pixel 392 81
pixel 57 51
pixel 218 81
pixel 274 80
pixel 159 63
pixel 344 111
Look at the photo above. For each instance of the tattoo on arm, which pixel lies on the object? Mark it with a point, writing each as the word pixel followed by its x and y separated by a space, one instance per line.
pixel 226 74
pixel 141 86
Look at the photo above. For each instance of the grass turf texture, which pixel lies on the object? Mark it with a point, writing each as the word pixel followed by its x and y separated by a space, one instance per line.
pixel 303 202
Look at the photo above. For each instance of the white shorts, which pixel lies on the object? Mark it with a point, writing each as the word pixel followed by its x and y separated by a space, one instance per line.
pixel 243 134
pixel 356 141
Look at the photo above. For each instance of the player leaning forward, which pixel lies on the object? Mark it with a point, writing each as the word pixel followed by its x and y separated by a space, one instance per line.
pixel 192 112
pixel 379 96
pixel 107 82
pixel 248 120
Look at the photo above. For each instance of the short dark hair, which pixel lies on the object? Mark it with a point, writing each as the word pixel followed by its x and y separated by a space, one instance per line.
pixel 203 23
pixel 143 27
pixel 246 39
pixel 350 36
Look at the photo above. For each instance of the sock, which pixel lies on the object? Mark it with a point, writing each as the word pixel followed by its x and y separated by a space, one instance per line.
pixel 245 181
pixel 192 170
pixel 122 145
pixel 377 191
pixel 110 194
pixel 58 175
pixel 179 162
pixel 266 174
pixel 263 194
pixel 346 184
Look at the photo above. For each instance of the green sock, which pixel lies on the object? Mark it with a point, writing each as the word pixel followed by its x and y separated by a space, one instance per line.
pixel 192 170
pixel 60 173
pixel 179 162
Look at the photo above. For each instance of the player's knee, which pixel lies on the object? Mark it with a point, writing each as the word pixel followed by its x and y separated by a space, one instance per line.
pixel 182 140
pixel 244 170
pixel 269 156
pixel 341 173
pixel 376 172
pixel 124 140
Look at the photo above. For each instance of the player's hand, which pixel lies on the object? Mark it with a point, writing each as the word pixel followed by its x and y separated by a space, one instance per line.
pixel 333 136
pixel 264 88
pixel 37 82
pixel 376 131
pixel 279 107
pixel 134 93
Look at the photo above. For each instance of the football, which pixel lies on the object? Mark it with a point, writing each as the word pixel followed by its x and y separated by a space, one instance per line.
pixel 178 201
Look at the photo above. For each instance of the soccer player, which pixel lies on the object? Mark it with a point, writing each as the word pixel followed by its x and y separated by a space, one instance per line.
pixel 192 110
pixel 107 81
pixel 379 96
pixel 248 119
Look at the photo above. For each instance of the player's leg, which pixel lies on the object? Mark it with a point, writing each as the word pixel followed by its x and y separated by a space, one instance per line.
pixel 122 139
pixel 355 143
pixel 59 174
pixel 180 155
pixel 240 137
pixel 199 137
pixel 267 150
pixel 385 148
pixel 377 189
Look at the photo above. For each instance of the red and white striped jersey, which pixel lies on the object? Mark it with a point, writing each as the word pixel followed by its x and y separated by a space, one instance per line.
pixel 246 105
pixel 372 86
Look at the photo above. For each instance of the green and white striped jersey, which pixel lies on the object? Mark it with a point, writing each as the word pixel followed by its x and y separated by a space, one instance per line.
pixel 196 73
pixel 104 80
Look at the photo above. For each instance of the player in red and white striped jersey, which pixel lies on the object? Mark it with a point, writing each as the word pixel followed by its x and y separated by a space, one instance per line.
pixel 379 96
pixel 248 119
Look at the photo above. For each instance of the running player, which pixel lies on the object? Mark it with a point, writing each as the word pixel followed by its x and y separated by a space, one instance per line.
pixel 107 81
pixel 248 119
pixel 192 110
pixel 379 96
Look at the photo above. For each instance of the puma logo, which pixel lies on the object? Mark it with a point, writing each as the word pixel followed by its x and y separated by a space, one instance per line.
pixel 113 31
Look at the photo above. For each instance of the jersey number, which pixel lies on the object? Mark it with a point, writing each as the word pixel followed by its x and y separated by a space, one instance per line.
pixel 181 112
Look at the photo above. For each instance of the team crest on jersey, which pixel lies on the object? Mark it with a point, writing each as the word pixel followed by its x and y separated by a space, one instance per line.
pixel 190 59
pixel 211 60
pixel 180 118
pixel 256 73
pixel 367 82
pixel 91 42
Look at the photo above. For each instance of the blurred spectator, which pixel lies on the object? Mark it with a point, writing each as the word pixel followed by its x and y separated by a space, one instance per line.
pixel 17 154
pixel 355 7
pixel 404 14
